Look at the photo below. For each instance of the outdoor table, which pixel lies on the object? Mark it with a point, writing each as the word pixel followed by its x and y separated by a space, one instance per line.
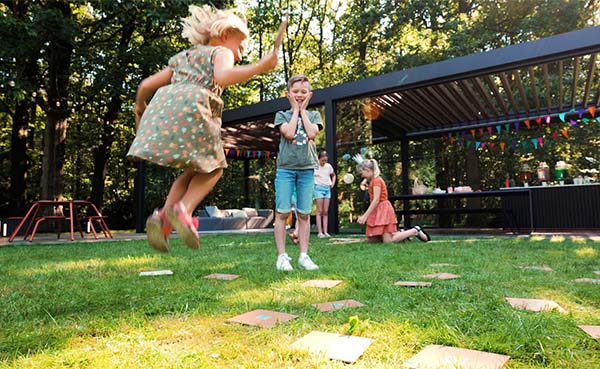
pixel 521 194
pixel 35 217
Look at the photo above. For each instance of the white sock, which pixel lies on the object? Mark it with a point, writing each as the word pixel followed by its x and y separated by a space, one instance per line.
pixel 303 255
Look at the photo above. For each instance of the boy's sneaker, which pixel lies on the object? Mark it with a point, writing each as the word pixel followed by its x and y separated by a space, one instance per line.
pixel 283 263
pixel 306 263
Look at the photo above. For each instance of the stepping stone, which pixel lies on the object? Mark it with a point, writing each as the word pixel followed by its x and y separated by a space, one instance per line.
pixel 446 357
pixel 156 273
pixel 412 284
pixel 534 304
pixel 226 277
pixel 262 318
pixel 442 265
pixel 587 280
pixel 321 283
pixel 333 346
pixel 592 330
pixel 337 305
pixel 441 276
pixel 544 268
pixel 340 241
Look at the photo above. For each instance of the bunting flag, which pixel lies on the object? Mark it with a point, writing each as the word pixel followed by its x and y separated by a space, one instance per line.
pixel 498 128
pixel 534 141
pixel 477 144
pixel 473 133
pixel 527 123
pixel 580 113
pixel 483 145
pixel 540 141
pixel 538 120
pixel 468 143
pixel 548 119
pixel 481 131
pixel 562 116
pixel 239 153
pixel 554 136
pixel 502 144
pixel 489 130
pixel 585 120
pixel 573 123
pixel 507 127
pixel 592 110
pixel 492 145
pixel 516 126
pixel 565 132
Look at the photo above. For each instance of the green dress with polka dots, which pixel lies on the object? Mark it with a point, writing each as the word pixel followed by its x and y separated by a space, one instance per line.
pixel 181 127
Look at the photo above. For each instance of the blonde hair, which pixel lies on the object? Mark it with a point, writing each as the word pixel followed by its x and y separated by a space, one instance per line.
pixel 297 78
pixel 370 164
pixel 207 22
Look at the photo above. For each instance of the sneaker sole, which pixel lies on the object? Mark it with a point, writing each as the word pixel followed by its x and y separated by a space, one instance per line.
pixel 189 237
pixel 156 240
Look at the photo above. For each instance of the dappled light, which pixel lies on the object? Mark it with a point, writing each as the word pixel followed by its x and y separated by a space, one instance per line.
pixel 586 252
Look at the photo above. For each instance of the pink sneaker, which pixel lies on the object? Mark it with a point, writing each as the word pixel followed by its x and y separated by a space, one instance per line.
pixel 185 225
pixel 158 230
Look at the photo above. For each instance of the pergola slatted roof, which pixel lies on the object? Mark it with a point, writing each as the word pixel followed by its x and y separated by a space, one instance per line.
pixel 513 83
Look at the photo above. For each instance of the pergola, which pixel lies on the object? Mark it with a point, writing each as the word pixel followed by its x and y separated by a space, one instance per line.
pixel 480 90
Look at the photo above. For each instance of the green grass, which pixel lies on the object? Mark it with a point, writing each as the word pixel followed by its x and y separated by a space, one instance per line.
pixel 77 305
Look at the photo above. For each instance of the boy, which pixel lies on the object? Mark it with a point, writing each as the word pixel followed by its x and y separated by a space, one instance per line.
pixel 296 162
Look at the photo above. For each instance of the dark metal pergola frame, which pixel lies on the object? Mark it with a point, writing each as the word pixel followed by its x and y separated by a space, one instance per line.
pixel 474 91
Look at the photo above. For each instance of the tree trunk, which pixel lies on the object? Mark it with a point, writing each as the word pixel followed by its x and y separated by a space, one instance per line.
pixel 18 157
pixel 59 67
pixel 102 153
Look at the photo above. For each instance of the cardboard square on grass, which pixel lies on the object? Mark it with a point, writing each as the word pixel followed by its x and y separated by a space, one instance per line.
pixel 592 330
pixel 587 280
pixel 412 284
pixel 262 318
pixel 441 276
pixel 337 305
pixel 597 272
pixel 340 241
pixel 537 267
pixel 156 273
pixel 225 277
pixel 442 265
pixel 321 283
pixel 534 304
pixel 333 346
pixel 446 357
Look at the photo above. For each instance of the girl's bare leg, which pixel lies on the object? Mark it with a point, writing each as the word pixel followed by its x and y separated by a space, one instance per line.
pixel 402 235
pixel 199 185
pixel 325 215
pixel 319 215
pixel 178 188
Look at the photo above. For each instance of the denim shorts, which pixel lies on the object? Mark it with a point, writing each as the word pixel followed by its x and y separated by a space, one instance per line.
pixel 285 181
pixel 322 192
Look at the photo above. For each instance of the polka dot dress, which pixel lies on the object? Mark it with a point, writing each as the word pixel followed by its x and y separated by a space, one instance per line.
pixel 181 127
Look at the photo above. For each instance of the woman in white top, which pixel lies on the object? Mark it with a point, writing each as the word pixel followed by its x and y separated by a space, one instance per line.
pixel 324 180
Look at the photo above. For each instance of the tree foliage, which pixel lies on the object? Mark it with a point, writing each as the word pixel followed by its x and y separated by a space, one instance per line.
pixel 69 71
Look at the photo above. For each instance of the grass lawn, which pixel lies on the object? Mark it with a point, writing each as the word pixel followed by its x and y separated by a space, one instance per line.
pixel 77 305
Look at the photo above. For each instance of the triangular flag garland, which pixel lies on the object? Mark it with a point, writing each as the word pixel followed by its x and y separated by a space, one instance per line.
pixel 242 153
pixel 577 119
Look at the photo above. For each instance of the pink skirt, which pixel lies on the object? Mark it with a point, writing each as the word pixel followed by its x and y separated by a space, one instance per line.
pixel 382 220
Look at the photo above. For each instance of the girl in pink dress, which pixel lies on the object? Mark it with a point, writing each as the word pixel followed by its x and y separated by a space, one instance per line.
pixel 380 217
